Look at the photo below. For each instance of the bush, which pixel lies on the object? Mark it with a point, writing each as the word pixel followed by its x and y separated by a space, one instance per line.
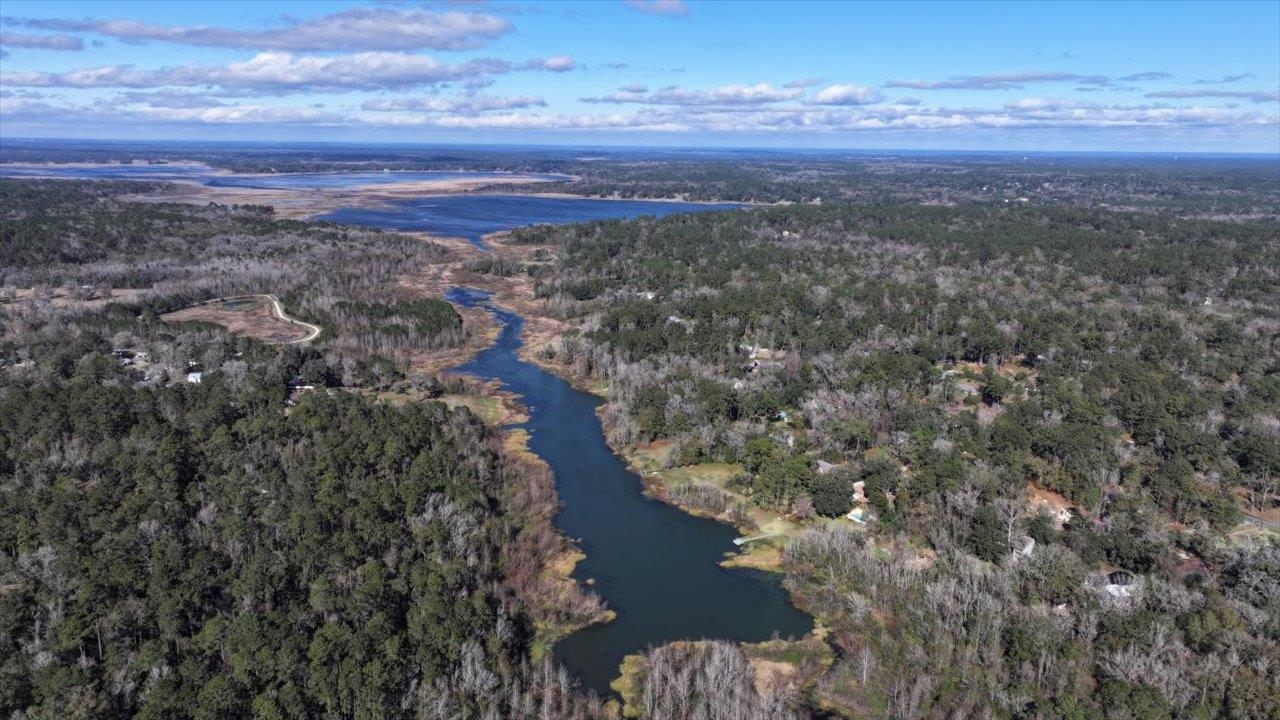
pixel 832 495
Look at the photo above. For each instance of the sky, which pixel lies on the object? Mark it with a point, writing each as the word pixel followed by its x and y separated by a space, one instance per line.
pixel 1079 76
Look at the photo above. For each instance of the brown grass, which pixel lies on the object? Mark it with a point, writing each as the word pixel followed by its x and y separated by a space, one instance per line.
pixel 308 203
pixel 514 293
pixel 252 318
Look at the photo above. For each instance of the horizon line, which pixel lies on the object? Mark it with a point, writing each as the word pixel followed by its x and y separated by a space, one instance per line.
pixel 667 148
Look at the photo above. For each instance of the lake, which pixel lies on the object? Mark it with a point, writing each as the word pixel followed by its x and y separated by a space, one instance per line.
pixel 472 216
pixel 655 565
pixel 110 171
pixel 206 175
pixel 348 180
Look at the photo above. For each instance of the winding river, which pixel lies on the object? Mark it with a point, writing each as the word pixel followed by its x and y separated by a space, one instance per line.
pixel 655 565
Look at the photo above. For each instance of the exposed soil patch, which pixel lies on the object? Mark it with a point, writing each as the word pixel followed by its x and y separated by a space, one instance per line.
pixel 252 317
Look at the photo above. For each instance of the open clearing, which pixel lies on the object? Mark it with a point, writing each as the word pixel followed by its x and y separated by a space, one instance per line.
pixel 258 316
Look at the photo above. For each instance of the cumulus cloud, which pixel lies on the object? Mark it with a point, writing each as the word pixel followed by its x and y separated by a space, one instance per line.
pixel 1047 103
pixel 280 72
pixel 845 94
pixel 758 94
pixel 1008 81
pixel 670 8
pixel 555 63
pixel 349 30
pixel 1258 96
pixel 465 105
pixel 1029 113
pixel 42 42
pixel 133 113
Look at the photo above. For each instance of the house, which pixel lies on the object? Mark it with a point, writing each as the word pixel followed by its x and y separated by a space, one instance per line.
pixel 823 467
pixel 194 377
pixel 296 391
pixel 857 515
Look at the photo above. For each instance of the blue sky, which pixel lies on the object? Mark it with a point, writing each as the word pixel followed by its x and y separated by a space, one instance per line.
pixel 1005 76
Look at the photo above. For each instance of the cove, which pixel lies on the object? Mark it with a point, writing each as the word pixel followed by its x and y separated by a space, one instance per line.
pixel 655 565
pixel 471 216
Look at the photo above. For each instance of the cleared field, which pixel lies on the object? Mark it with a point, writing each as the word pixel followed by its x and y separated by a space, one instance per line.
pixel 252 317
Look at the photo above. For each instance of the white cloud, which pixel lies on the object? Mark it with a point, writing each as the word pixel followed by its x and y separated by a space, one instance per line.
pixel 355 29
pixel 1048 104
pixel 670 8
pixel 510 114
pixel 277 72
pixel 1146 76
pixel 132 113
pixel 555 63
pixel 845 94
pixel 1008 81
pixel 465 105
pixel 757 94
pixel 1258 96
pixel 41 42
pixel 1224 79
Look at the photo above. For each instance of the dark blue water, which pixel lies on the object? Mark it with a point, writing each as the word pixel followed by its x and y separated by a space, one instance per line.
pixel 284 181
pixel 346 180
pixel 471 217
pixel 109 171
pixel 656 566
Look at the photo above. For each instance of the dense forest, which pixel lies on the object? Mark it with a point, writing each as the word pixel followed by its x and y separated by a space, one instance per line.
pixel 227 543
pixel 89 237
pixel 266 540
pixel 1056 421
pixel 1053 418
